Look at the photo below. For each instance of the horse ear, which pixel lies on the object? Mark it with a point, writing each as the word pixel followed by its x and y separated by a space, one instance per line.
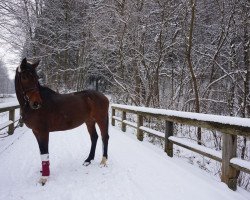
pixel 23 64
pixel 36 64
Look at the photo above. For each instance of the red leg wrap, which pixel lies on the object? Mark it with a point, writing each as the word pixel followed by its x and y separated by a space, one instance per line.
pixel 45 167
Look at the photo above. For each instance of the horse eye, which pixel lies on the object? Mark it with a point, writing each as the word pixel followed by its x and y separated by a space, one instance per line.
pixel 24 77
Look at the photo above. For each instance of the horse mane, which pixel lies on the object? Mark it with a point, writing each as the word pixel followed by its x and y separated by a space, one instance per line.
pixel 47 91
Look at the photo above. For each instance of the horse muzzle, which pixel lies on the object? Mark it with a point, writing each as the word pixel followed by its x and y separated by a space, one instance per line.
pixel 34 99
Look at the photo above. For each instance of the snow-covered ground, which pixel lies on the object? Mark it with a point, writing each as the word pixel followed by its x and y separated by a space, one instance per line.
pixel 136 170
pixel 10 98
pixel 4 118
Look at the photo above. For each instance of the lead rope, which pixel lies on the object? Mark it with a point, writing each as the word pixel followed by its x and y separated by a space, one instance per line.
pixel 13 142
pixel 19 124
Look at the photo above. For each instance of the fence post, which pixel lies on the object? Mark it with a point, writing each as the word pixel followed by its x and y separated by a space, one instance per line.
pixel 168 144
pixel 229 174
pixel 139 123
pixel 11 118
pixel 123 118
pixel 112 115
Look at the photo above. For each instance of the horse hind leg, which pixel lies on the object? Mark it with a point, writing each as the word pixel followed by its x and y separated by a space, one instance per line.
pixel 103 125
pixel 93 136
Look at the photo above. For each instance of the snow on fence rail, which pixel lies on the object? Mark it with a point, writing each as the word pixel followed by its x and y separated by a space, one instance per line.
pixel 9 107
pixel 231 127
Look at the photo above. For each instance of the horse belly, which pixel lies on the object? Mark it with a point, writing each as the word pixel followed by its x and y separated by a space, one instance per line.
pixel 67 121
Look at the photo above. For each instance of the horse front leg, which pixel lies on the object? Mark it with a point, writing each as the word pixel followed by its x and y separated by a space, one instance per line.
pixel 43 142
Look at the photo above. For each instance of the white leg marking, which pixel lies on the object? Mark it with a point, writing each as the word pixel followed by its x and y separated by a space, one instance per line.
pixel 43 180
pixel 104 162
pixel 45 157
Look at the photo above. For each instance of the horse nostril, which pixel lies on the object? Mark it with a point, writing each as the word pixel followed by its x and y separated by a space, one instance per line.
pixel 36 105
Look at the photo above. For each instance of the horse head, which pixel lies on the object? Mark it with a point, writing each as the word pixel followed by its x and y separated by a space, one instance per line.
pixel 29 84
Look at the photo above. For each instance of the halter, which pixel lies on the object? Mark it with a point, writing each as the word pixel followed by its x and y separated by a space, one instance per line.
pixel 31 89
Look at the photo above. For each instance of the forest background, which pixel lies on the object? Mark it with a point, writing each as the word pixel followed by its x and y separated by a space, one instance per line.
pixel 172 54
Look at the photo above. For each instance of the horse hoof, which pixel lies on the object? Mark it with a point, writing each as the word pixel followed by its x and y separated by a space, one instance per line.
pixel 43 180
pixel 104 162
pixel 86 163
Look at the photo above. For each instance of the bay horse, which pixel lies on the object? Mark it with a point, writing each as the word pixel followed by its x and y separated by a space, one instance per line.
pixel 44 110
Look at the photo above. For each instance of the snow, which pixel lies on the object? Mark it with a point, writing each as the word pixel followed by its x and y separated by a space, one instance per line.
pixel 136 170
pixel 9 101
pixel 7 142
pixel 9 104
pixel 240 162
pixel 190 115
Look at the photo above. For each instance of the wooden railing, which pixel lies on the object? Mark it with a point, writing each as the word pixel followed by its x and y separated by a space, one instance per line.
pixel 10 108
pixel 230 127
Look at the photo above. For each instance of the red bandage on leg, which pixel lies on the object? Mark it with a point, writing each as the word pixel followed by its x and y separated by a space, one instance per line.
pixel 45 164
pixel 45 168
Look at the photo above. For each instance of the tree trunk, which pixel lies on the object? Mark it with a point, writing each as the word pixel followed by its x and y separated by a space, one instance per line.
pixel 190 66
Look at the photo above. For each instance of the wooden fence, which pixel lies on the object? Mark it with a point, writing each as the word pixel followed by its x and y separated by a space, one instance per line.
pixel 230 127
pixel 10 108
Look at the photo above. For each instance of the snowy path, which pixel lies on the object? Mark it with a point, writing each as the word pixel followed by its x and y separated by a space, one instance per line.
pixel 137 170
